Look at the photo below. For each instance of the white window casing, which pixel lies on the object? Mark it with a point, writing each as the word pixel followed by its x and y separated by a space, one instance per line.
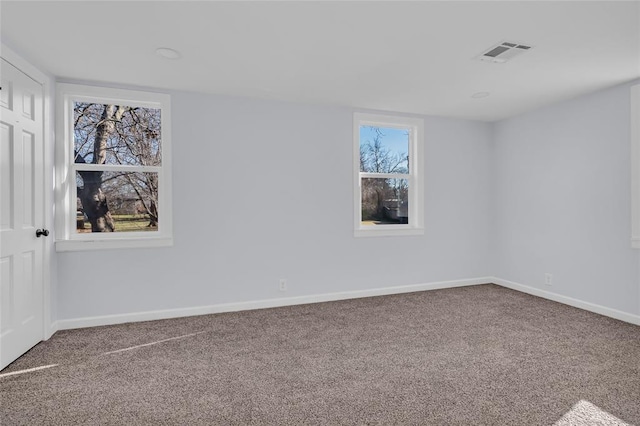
pixel 414 177
pixel 67 239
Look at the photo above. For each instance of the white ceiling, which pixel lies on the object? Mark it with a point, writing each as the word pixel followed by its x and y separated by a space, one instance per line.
pixel 414 57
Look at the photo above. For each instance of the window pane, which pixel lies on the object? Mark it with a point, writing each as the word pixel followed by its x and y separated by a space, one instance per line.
pixel 117 201
pixel 385 201
pixel 114 134
pixel 384 150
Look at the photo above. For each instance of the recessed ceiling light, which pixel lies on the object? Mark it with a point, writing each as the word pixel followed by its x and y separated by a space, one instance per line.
pixel 479 95
pixel 168 53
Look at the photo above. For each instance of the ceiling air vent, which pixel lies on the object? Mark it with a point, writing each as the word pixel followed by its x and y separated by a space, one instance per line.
pixel 502 52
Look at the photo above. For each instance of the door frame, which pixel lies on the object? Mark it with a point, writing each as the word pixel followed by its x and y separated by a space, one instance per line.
pixel 49 325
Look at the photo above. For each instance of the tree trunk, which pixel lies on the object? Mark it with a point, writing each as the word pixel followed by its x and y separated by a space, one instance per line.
pixel 380 204
pixel 94 201
pixel 153 215
pixel 149 204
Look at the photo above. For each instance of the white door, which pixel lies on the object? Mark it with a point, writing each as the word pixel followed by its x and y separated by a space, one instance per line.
pixel 21 213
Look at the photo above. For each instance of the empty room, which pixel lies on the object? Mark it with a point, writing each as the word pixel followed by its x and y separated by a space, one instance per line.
pixel 320 213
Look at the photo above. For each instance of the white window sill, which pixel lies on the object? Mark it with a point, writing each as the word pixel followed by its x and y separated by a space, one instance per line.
pixel 387 231
pixel 83 245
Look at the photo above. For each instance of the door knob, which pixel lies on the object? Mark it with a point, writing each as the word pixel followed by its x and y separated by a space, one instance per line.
pixel 40 232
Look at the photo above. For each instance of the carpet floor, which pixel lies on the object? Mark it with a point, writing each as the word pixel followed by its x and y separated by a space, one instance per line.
pixel 480 355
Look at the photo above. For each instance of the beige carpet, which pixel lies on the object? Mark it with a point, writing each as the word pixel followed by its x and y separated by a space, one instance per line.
pixel 474 355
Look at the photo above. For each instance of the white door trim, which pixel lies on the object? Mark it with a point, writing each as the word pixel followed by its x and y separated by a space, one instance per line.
pixel 49 326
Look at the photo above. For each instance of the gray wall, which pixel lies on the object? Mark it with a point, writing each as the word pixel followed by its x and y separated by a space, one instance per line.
pixel 263 190
pixel 561 197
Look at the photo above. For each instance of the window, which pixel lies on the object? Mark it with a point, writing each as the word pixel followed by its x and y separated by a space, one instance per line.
pixel 388 183
pixel 114 176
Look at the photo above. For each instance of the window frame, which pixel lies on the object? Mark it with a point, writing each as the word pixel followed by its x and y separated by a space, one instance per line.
pixel 415 177
pixel 66 199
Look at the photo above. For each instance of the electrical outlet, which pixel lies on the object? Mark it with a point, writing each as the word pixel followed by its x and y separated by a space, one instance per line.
pixel 283 284
pixel 548 279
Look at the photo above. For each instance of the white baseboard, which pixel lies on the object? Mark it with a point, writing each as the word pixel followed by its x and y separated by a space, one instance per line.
pixel 328 297
pixel 592 307
pixel 67 324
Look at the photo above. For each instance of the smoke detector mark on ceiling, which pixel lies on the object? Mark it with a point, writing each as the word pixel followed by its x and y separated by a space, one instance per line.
pixel 502 52
pixel 168 53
